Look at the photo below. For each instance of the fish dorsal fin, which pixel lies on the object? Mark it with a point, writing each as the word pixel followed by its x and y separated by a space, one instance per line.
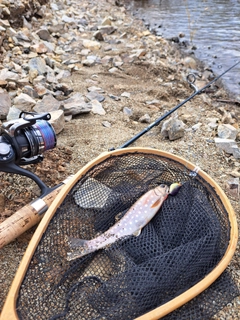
pixel 137 233
pixel 156 203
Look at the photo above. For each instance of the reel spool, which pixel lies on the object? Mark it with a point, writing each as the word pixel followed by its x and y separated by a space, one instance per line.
pixel 178 255
pixel 22 142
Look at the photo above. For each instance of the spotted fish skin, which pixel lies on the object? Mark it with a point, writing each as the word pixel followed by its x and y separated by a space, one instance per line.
pixel 140 213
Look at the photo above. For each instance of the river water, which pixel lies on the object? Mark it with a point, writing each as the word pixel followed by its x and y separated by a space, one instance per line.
pixel 211 28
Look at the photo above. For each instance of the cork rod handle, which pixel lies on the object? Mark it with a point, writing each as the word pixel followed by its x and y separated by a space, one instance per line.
pixel 25 218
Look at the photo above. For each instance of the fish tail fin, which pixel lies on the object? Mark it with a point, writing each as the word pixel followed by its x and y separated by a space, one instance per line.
pixel 75 243
pixel 79 248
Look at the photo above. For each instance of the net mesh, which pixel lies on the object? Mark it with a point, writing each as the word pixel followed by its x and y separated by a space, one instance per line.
pixel 175 250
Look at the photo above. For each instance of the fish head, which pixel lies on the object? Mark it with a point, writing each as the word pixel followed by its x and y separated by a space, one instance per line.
pixel 162 191
pixel 174 188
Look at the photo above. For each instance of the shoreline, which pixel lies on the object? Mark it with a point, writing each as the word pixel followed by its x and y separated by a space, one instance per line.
pixel 184 37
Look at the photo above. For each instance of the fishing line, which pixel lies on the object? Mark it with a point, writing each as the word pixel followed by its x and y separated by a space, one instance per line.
pixel 46 134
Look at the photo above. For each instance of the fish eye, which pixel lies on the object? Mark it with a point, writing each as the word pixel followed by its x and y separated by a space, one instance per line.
pixel 162 185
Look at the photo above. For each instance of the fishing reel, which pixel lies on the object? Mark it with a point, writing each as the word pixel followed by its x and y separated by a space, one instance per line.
pixel 22 142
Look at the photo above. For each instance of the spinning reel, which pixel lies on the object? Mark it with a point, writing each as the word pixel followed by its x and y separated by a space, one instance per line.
pixel 22 142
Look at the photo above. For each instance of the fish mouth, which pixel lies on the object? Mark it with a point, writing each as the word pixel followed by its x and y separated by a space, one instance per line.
pixel 174 188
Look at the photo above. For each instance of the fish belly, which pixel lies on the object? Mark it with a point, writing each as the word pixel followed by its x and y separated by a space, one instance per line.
pixel 132 223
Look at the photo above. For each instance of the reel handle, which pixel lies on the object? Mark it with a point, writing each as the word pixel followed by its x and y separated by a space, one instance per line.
pixel 11 167
pixel 7 164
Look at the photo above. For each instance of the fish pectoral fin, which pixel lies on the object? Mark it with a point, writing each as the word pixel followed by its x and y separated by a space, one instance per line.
pixel 156 203
pixel 137 233
pixel 75 243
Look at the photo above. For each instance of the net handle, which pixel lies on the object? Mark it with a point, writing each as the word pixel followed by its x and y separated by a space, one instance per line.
pixel 9 309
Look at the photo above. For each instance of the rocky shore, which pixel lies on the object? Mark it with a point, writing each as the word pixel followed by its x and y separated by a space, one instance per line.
pixel 104 77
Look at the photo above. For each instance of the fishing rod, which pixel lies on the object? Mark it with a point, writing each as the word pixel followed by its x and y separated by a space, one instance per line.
pixel 157 122
pixel 33 212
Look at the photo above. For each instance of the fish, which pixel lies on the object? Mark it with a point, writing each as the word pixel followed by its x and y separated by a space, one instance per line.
pixel 137 217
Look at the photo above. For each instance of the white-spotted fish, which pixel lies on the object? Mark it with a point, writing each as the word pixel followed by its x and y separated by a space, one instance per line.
pixel 140 213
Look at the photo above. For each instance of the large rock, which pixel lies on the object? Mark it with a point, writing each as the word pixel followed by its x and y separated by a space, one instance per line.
pixel 37 64
pixel 57 120
pixel 24 102
pixel 48 104
pixel 43 34
pixel 97 108
pixel 189 62
pixel 76 105
pixel 13 113
pixel 233 187
pixel 94 95
pixel 5 104
pixel 7 75
pixel 173 129
pixel 227 131
pixel 229 146
pixel 91 45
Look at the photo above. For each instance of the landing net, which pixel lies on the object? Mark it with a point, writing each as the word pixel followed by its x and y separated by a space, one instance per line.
pixel 182 244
